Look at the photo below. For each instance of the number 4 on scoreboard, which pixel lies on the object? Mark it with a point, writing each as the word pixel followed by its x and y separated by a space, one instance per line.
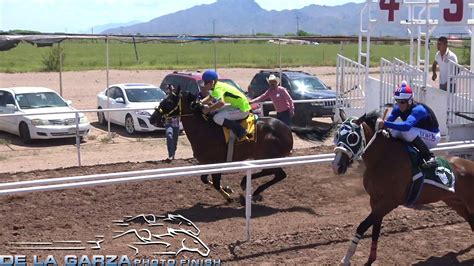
pixel 391 6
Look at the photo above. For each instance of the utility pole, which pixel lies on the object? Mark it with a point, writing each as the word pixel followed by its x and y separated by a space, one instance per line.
pixel 297 24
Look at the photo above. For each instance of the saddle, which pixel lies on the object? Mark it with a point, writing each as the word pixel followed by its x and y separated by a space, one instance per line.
pixel 249 124
pixel 442 176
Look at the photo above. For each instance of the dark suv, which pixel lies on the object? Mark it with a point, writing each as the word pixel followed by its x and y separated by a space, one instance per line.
pixel 301 86
pixel 190 81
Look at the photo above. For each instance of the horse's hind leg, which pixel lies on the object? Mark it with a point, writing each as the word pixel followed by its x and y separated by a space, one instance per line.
pixel 461 209
pixel 264 172
pixel 279 175
pixel 216 182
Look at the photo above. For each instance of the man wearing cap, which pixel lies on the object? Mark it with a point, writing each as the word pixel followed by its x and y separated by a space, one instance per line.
pixel 229 103
pixel 281 100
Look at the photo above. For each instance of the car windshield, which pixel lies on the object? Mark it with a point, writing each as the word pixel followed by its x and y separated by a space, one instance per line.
pixel 145 95
pixel 308 84
pixel 39 100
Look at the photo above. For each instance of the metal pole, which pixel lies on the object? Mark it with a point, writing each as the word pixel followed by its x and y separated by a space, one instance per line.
pixel 78 140
pixel 215 44
pixel 248 204
pixel 279 55
pixel 60 70
pixel 107 88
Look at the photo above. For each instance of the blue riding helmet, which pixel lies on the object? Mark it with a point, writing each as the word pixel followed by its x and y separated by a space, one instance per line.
pixel 209 75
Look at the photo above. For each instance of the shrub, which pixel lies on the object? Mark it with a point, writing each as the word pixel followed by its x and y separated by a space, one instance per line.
pixel 51 58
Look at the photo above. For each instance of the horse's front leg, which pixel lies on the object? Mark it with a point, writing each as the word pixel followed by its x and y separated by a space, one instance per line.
pixel 361 229
pixel 375 238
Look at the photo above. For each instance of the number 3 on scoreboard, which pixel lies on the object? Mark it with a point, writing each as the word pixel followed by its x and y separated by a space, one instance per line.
pixel 456 16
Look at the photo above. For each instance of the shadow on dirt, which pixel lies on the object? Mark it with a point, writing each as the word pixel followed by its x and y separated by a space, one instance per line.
pixel 202 212
pixel 12 139
pixel 449 259
pixel 120 130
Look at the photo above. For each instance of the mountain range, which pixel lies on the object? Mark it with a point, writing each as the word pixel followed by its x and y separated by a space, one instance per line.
pixel 246 17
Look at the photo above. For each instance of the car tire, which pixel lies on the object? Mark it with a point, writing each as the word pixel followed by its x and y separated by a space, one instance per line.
pixel 25 133
pixel 129 127
pixel 101 117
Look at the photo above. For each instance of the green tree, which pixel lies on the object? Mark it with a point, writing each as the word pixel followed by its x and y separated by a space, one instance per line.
pixel 302 33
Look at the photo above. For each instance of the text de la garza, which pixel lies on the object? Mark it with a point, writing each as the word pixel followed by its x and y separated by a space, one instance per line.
pixel 100 260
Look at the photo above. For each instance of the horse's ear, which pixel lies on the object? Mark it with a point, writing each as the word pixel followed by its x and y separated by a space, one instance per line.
pixel 342 114
pixel 360 120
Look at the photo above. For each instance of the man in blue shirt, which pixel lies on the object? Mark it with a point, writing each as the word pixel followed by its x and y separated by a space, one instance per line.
pixel 418 126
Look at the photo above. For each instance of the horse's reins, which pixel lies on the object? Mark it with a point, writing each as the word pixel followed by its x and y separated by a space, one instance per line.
pixel 177 107
pixel 377 131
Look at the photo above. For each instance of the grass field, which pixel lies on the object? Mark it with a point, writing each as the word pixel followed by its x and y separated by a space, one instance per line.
pixel 86 55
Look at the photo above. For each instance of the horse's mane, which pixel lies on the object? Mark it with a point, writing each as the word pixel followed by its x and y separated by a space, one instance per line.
pixel 371 118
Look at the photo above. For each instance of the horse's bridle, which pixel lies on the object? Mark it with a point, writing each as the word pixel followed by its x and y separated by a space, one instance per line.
pixel 347 149
pixel 176 108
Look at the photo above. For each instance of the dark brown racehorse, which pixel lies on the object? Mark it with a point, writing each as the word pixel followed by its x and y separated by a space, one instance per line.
pixel 387 177
pixel 274 140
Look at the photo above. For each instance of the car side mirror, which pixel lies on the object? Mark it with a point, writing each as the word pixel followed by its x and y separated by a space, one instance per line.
pixel 69 102
pixel 11 106
pixel 329 87
pixel 119 100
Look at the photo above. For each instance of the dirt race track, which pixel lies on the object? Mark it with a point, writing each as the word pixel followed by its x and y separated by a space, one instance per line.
pixel 306 219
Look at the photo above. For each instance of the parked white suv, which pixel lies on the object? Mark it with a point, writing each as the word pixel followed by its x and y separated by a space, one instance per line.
pixel 130 95
pixel 29 101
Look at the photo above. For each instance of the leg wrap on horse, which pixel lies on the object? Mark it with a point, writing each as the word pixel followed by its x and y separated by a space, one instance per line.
pixel 351 250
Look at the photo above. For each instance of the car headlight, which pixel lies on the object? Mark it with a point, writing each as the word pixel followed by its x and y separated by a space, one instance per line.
pixel 40 122
pixel 143 113
pixel 83 120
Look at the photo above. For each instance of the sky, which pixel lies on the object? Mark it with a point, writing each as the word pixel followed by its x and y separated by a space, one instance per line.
pixel 80 16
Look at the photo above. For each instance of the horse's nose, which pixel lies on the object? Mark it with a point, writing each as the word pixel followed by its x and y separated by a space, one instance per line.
pixel 335 167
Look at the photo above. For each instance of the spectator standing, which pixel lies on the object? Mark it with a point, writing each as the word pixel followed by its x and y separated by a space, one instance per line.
pixel 281 100
pixel 442 59
pixel 172 132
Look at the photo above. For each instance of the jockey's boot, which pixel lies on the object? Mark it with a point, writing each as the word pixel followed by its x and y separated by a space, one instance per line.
pixel 235 126
pixel 425 153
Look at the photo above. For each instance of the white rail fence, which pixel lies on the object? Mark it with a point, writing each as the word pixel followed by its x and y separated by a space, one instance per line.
pixel 460 94
pixel 350 83
pixel 392 73
pixel 12 188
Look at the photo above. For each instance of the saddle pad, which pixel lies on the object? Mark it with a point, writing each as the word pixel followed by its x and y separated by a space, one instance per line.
pixel 250 126
pixel 442 176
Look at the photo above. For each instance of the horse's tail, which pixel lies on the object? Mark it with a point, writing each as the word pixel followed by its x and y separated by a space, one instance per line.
pixel 313 133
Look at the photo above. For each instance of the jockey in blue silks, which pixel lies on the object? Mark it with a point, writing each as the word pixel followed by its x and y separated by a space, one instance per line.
pixel 418 126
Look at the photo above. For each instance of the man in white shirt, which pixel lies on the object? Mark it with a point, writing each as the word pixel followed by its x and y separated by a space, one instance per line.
pixel 442 59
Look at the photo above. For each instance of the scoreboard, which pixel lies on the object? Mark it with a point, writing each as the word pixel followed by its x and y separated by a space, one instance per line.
pixel 449 12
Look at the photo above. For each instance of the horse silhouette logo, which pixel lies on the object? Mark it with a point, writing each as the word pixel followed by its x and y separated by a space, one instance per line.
pixel 144 234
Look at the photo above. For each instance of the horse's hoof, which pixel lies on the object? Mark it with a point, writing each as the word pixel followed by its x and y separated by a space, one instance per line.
pixel 257 198
pixel 228 190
